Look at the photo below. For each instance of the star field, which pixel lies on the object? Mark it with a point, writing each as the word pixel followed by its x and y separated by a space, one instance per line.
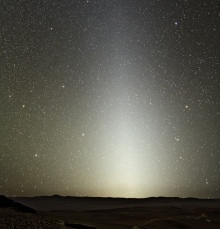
pixel 116 98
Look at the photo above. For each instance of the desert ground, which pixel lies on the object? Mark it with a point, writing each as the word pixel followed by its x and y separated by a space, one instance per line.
pixel 107 213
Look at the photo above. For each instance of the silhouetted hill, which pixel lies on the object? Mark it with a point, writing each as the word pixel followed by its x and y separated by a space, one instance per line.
pixel 8 203
pixel 56 202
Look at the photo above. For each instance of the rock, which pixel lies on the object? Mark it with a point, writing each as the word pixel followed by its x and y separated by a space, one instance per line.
pixel 11 219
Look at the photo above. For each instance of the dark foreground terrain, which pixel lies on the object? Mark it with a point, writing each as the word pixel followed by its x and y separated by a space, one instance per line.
pixel 107 213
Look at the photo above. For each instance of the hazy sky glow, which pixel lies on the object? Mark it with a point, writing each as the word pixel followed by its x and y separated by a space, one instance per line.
pixel 110 98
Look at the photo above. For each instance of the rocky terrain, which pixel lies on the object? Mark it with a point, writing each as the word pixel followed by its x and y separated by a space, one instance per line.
pixel 12 219
pixel 14 215
pixel 108 213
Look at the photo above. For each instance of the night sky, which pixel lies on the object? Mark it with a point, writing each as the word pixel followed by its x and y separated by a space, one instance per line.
pixel 117 98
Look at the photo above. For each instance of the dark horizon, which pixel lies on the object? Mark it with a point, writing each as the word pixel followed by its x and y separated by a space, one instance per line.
pixel 98 213
pixel 109 197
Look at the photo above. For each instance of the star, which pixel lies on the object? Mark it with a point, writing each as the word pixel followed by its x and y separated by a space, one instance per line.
pixel 95 90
